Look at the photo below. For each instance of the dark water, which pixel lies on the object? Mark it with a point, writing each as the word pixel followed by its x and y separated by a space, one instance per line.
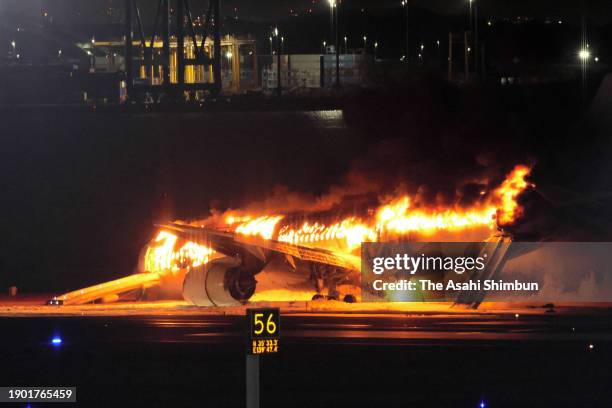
pixel 82 190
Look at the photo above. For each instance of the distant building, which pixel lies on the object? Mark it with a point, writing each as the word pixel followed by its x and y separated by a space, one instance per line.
pixel 316 71
pixel 238 61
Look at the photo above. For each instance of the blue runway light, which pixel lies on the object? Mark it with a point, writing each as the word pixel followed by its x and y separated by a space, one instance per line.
pixel 56 341
pixel 482 404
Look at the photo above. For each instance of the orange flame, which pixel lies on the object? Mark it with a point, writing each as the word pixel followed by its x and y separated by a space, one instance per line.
pixel 262 226
pixel 161 256
pixel 508 193
pixel 395 219
pixel 352 230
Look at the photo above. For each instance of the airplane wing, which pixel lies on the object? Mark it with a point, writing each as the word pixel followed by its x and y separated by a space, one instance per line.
pixel 107 291
pixel 254 252
pixel 220 241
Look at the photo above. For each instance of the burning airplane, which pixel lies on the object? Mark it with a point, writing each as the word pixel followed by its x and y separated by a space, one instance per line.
pixel 228 258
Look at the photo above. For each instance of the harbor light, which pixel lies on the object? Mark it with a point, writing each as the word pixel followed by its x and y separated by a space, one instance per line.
pixel 584 54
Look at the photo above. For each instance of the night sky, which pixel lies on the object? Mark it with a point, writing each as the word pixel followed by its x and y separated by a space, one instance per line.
pixel 599 11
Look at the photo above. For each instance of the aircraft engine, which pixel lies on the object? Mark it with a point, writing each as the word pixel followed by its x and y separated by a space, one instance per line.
pixel 221 282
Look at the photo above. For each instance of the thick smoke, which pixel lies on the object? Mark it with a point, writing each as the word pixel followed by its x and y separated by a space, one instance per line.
pixel 442 146
pixel 439 144
pixel 565 272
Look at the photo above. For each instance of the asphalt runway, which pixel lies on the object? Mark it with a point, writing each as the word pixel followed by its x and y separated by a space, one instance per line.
pixel 183 356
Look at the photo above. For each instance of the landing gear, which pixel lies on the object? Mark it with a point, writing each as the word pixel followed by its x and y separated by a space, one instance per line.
pixel 347 298
pixel 350 299
pixel 318 296
pixel 326 276
pixel 241 285
pixel 333 295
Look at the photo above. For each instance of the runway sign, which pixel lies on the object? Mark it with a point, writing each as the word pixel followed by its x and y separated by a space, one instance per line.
pixel 263 331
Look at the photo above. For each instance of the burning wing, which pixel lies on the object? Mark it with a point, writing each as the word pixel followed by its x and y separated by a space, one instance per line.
pixel 231 279
pixel 231 244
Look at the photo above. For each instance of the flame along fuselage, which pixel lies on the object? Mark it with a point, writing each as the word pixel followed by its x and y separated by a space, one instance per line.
pixel 180 248
pixel 396 219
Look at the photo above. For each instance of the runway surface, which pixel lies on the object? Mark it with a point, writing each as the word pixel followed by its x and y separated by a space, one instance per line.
pixel 162 354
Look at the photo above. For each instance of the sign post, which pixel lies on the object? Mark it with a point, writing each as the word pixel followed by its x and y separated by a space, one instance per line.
pixel 252 381
pixel 263 335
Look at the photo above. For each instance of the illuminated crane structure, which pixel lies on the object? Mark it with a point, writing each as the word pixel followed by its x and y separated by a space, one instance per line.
pixel 205 56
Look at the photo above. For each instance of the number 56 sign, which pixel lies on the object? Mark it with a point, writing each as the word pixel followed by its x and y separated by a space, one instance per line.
pixel 263 331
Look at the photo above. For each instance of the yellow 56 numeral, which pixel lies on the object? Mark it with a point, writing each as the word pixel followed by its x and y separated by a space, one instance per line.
pixel 270 326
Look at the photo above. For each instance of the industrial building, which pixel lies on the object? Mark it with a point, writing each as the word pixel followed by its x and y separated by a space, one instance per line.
pixel 238 61
pixel 242 69
pixel 308 71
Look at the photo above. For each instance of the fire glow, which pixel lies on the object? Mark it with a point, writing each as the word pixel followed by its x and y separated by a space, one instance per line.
pixel 162 257
pixel 397 218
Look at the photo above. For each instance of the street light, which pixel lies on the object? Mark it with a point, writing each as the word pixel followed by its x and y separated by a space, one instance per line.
pixel 334 13
pixel 93 55
pixel 471 15
pixel 345 44
pixel 405 6
pixel 332 5
pixel 365 42
pixel 275 33
pixel 473 24
pixel 376 50
pixel 584 55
